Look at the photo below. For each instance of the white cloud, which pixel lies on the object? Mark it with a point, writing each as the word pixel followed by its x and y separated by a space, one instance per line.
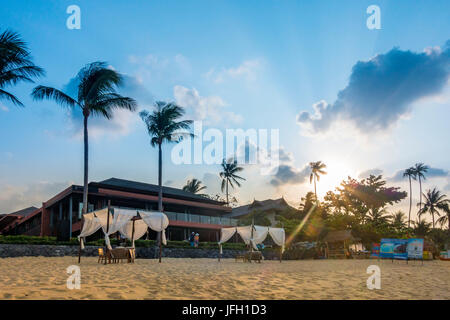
pixel 209 109
pixel 247 70
pixel 3 108
pixel 14 198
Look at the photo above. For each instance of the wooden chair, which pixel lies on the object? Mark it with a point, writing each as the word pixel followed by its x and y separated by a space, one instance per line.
pixel 239 257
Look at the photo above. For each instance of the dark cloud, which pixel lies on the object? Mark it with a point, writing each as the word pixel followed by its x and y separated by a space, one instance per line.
pixel 367 173
pixel 382 89
pixel 288 174
pixel 431 173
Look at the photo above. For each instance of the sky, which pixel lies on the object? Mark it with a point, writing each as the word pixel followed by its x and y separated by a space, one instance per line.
pixel 360 100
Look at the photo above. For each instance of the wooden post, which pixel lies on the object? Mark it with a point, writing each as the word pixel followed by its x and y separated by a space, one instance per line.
pixel 132 233
pixel 107 230
pixel 81 228
pixel 160 240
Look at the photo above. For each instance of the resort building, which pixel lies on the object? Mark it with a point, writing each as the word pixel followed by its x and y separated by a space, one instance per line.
pixel 61 215
pixel 270 208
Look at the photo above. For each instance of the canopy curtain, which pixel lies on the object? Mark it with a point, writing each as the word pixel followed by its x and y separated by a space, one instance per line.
pixel 156 221
pixel 259 235
pixel 121 222
pixel 140 228
pixel 91 224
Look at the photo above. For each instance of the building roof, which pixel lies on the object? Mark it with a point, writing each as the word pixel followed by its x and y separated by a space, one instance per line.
pixel 340 235
pixel 153 188
pixel 264 205
pixel 24 212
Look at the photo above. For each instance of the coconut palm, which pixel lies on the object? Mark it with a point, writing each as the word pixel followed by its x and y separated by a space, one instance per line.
pixel 96 96
pixel 434 201
pixel 445 219
pixel 421 228
pixel 420 169
pixel 317 168
pixel 398 220
pixel 410 173
pixel 15 64
pixel 194 186
pixel 229 176
pixel 162 126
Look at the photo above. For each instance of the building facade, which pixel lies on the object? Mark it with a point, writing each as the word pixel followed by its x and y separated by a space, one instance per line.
pixel 187 212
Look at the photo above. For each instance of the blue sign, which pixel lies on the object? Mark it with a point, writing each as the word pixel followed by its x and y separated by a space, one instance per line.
pixel 387 248
pixel 415 249
pixel 400 249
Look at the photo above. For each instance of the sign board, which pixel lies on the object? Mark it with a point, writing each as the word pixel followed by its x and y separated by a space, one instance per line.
pixel 415 249
pixel 400 251
pixel 375 250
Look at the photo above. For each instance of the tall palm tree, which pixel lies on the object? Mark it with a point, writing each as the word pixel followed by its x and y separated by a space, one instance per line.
pixel 162 126
pixel 15 64
pixel 96 96
pixel 434 201
pixel 317 168
pixel 420 169
pixel 229 176
pixel 410 173
pixel 194 186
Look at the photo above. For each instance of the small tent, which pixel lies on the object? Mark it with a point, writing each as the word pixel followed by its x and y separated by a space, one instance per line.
pixel 130 223
pixel 253 235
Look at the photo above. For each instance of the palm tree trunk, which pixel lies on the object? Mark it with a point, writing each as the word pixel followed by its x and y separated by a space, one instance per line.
pixel 420 198
pixel 160 206
pixel 86 151
pixel 315 190
pixel 432 216
pixel 228 203
pixel 410 201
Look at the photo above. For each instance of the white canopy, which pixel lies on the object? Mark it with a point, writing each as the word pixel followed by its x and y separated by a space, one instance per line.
pixel 121 222
pixel 259 235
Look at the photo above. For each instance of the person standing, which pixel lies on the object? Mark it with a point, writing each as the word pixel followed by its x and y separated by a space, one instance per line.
pixel 196 239
pixel 191 239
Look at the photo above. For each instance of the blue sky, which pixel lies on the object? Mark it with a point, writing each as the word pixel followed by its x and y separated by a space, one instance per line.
pixel 256 64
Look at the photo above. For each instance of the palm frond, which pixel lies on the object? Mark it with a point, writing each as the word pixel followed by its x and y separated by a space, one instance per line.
pixel 42 92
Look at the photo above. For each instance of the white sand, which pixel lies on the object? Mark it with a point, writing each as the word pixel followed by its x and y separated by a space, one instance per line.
pixel 45 278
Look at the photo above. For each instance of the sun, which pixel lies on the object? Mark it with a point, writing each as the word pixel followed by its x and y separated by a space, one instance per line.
pixel 336 172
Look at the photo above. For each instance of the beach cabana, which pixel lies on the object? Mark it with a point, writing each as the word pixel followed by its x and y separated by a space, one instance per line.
pixel 337 243
pixel 130 223
pixel 253 235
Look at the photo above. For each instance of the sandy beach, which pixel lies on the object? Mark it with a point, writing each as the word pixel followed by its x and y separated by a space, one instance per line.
pixel 45 278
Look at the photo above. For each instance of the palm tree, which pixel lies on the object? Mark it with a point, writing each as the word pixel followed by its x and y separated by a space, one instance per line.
pixel 398 220
pixel 15 64
pixel 193 186
pixel 434 201
pixel 229 176
pixel 421 228
pixel 317 168
pixel 96 96
pixel 410 173
pixel 162 126
pixel 445 219
pixel 420 169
